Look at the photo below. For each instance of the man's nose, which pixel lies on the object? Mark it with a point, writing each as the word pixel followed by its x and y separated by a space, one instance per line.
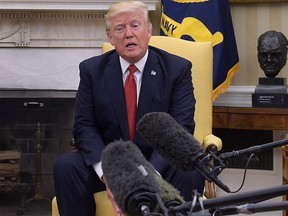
pixel 129 32
pixel 269 57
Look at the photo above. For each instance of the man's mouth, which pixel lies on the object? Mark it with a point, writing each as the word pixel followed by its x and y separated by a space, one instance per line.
pixel 130 45
pixel 269 65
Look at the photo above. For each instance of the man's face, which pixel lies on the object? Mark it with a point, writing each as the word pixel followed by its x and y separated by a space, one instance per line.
pixel 130 35
pixel 272 56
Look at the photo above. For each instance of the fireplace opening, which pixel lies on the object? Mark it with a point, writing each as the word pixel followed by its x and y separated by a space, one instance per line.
pixel 35 128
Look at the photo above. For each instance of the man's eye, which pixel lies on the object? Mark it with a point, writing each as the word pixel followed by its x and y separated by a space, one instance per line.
pixel 119 29
pixel 276 55
pixel 263 54
pixel 135 25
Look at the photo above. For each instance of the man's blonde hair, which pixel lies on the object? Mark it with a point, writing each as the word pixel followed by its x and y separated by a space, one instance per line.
pixel 127 7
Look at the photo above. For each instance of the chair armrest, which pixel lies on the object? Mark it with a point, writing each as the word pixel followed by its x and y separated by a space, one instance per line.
pixel 212 143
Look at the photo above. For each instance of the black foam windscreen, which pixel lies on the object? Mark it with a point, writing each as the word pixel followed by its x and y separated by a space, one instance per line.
pixel 164 134
pixel 130 176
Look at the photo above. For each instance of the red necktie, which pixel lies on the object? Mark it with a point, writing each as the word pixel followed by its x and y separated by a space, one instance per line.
pixel 131 100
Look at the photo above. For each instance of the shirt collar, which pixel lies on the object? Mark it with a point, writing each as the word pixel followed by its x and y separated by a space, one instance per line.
pixel 140 64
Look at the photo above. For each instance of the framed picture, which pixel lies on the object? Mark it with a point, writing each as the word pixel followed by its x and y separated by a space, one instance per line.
pixel 256 1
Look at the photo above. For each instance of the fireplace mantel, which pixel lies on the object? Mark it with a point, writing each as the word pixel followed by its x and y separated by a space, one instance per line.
pixel 44 41
pixel 71 5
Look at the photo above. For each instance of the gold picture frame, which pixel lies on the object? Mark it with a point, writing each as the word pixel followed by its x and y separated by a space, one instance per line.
pixel 256 1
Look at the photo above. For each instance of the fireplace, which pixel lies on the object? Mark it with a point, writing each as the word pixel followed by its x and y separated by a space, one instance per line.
pixel 38 124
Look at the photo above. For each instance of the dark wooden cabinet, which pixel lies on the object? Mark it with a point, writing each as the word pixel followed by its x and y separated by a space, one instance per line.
pixel 248 118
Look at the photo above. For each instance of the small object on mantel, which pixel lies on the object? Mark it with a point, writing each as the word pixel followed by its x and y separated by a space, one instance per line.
pixel 272 56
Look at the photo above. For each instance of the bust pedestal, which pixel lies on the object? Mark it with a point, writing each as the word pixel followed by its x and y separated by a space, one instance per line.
pixel 271 92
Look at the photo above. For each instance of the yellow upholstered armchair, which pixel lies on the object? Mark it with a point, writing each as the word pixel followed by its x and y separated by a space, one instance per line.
pixel 201 56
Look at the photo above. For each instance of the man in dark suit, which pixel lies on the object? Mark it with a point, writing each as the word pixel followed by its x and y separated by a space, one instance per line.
pixel 163 84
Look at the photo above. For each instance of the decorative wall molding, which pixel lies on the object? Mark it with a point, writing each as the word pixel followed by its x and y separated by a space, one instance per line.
pixel 71 5
pixel 52 29
pixel 15 32
pixel 236 96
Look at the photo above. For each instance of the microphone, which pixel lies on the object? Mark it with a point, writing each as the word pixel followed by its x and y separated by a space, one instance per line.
pixel 178 146
pixel 134 182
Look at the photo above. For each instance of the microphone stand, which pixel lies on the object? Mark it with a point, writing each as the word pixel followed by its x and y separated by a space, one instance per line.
pixel 211 165
pixel 253 149
pixel 255 196
pixel 226 205
pixel 252 208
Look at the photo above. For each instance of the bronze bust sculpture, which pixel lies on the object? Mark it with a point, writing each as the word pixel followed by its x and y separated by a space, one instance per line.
pixel 272 52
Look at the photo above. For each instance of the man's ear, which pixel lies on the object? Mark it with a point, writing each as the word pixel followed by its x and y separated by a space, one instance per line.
pixel 149 34
pixel 110 38
pixel 150 28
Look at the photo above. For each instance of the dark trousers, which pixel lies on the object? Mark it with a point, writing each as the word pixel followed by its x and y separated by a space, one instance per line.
pixel 75 184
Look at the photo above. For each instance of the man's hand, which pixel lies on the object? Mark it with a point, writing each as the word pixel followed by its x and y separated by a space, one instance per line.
pixel 111 198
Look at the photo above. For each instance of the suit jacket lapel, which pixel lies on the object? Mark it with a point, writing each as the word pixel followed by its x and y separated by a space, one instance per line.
pixel 151 75
pixel 113 74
